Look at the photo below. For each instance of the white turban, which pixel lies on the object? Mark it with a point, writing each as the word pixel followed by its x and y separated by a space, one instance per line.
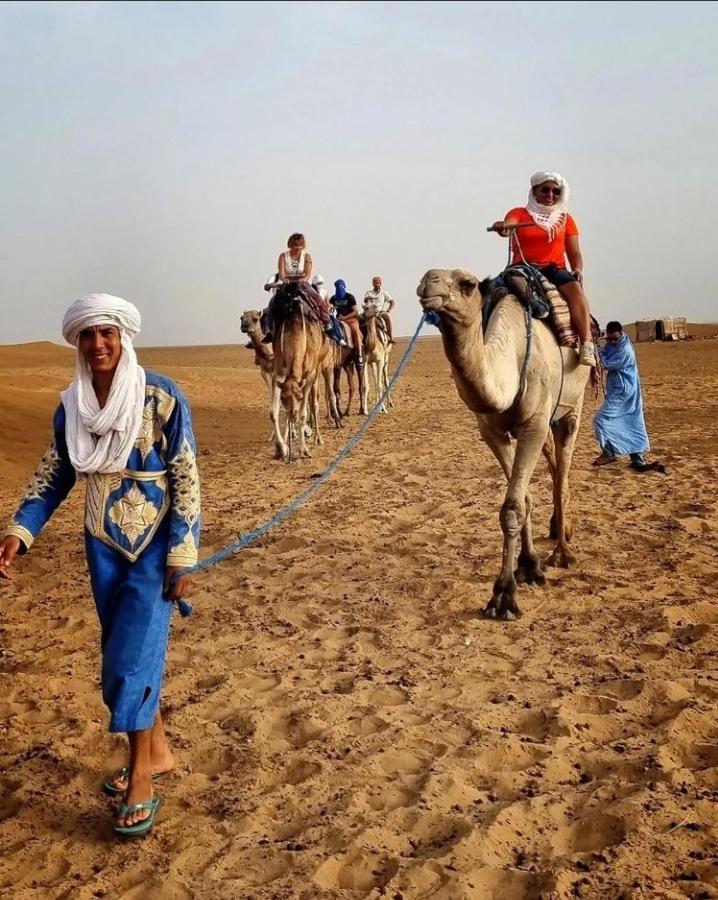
pixel 100 309
pixel 317 280
pixel 101 440
pixel 550 218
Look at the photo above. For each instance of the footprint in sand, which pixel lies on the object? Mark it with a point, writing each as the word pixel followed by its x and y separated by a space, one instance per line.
pixel 591 833
pixel 212 759
pixel 507 884
pixel 622 688
pixel 297 731
pixel 258 684
pixel 365 725
pixel 435 836
pixel 41 867
pixel 298 772
pixel 254 867
pixel 339 684
pixel 388 696
pixel 361 871
pixel 402 762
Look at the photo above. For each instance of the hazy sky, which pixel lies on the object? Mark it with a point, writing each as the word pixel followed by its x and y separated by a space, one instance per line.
pixel 165 151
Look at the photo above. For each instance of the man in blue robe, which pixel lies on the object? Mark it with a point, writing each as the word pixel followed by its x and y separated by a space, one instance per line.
pixel 128 432
pixel 619 425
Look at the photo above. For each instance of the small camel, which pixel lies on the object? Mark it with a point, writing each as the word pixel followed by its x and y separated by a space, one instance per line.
pixel 250 324
pixel 376 358
pixel 302 353
pixel 517 418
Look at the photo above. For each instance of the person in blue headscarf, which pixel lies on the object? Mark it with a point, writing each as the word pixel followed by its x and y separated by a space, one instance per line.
pixel 619 425
pixel 347 310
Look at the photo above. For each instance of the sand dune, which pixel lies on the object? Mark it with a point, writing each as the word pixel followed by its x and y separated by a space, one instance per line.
pixel 345 724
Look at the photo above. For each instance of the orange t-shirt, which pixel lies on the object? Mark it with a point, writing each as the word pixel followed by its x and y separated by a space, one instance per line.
pixel 537 248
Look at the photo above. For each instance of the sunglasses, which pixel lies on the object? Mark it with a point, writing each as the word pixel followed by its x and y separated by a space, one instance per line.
pixel 547 190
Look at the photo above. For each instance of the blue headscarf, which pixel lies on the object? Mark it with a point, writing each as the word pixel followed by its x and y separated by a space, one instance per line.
pixel 340 289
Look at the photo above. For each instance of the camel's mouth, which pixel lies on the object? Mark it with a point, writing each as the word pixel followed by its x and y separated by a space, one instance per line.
pixel 433 303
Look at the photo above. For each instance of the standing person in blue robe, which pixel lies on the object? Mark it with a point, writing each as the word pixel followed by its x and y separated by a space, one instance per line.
pixel 128 432
pixel 619 425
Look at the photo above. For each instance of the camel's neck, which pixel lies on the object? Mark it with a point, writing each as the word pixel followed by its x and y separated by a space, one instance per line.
pixel 371 338
pixel 487 367
pixel 255 338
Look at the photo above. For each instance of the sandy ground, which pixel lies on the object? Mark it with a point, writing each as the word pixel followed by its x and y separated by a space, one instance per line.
pixel 345 723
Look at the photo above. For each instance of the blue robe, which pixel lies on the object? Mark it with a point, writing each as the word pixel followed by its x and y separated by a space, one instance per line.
pixel 137 522
pixel 619 423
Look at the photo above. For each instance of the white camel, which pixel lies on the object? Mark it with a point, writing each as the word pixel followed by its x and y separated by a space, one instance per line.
pixel 517 416
pixel 376 359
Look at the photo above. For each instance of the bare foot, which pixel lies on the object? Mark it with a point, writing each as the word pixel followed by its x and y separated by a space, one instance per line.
pixel 161 765
pixel 140 791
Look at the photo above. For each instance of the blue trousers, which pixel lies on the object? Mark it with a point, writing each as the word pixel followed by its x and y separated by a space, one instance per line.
pixel 135 620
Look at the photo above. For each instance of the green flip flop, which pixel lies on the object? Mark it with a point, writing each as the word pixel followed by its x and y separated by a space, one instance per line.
pixel 139 828
pixel 124 773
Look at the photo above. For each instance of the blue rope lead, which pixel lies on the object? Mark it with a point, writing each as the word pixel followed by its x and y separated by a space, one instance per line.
pixel 251 536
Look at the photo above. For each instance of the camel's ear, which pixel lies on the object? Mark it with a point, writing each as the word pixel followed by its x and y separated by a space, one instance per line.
pixel 485 287
pixel 467 286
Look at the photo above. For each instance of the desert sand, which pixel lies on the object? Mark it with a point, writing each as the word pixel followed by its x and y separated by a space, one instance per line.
pixel 346 725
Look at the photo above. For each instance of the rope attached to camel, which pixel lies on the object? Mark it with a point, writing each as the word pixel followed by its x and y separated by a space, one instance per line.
pixel 251 536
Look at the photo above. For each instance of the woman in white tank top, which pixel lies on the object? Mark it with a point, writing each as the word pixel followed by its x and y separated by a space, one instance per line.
pixel 295 264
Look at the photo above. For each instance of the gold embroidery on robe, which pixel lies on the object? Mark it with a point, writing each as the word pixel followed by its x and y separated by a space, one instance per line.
pixel 133 514
pixel 185 484
pixel 44 474
pixel 184 554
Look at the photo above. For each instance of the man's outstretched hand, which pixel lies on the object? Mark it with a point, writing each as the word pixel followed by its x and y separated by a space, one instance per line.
pixel 9 547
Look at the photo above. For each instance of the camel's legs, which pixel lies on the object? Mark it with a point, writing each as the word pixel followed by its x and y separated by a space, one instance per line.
pixel 361 383
pixel 315 407
pixel 350 381
pixel 518 466
pixel 528 569
pixel 302 414
pixel 385 370
pixel 279 441
pixel 565 435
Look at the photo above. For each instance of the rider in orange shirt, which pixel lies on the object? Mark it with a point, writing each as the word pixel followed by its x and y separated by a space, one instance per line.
pixel 548 240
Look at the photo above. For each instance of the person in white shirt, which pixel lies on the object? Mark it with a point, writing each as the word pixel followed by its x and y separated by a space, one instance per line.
pixel 384 303
pixel 318 285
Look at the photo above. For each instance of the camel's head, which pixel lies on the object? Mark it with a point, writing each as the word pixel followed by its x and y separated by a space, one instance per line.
pixel 249 321
pixel 454 293
pixel 369 311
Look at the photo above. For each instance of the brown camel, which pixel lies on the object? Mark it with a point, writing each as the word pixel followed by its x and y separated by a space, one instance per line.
pixel 302 354
pixel 517 417
pixel 347 360
pixel 376 358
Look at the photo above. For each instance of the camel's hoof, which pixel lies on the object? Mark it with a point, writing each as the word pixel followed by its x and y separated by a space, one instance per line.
pixel 489 612
pixel 561 559
pixel 530 576
pixel 280 453
pixel 529 571
pixel 508 616
pixel 305 454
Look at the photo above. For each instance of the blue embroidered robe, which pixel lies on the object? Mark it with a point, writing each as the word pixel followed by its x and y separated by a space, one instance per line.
pixel 137 522
pixel 619 424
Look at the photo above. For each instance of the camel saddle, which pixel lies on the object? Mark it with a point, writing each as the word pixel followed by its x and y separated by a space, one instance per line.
pixel 541 297
pixel 289 299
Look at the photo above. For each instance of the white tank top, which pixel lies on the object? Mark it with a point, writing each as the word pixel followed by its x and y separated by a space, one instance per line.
pixel 294 266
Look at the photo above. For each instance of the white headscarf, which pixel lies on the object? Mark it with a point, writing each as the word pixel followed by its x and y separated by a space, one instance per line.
pixel 100 440
pixel 550 218
pixel 317 280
